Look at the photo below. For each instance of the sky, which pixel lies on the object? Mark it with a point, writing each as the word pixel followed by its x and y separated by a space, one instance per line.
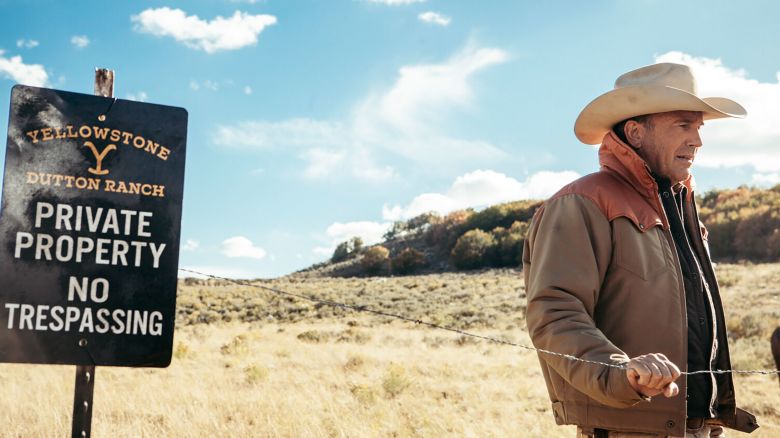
pixel 314 121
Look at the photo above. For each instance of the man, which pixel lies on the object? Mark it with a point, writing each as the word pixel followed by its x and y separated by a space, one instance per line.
pixel 617 270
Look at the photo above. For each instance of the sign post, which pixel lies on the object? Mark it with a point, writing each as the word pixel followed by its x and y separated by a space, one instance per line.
pixel 89 233
pixel 84 387
pixel 82 401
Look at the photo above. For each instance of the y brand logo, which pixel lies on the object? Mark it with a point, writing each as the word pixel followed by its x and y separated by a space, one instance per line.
pixel 98 170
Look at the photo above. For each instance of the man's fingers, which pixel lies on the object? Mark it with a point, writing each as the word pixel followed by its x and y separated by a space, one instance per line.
pixel 671 390
pixel 661 375
pixel 666 374
pixel 674 369
pixel 642 371
pixel 655 377
pixel 654 373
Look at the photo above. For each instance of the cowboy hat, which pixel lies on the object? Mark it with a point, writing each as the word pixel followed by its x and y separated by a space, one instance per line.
pixel 652 89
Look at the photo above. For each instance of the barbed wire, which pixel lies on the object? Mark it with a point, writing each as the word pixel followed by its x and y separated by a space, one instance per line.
pixel 366 309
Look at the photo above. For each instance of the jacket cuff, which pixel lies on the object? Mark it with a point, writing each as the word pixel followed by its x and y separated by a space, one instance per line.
pixel 621 389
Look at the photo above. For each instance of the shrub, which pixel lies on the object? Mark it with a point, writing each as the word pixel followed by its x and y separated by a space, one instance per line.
pixel 445 232
pixel 773 250
pixel 314 336
pixel 420 223
pixel 407 261
pixel 721 239
pixel 255 373
pixel 395 381
pixel 354 363
pixel 182 351
pixel 473 250
pixel 742 223
pixel 752 235
pixel 396 230
pixel 509 244
pixel 341 252
pixel 238 346
pixel 375 259
pixel 503 215
pixel 363 393
pixel 353 336
pixel 347 249
pixel 356 245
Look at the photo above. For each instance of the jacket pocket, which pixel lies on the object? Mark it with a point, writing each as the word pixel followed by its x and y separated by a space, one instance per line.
pixel 644 254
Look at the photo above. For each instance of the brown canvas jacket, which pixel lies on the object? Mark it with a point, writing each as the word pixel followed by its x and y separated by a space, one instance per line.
pixel 603 283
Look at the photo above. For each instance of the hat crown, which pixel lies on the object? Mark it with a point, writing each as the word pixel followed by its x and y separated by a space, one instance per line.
pixel 665 74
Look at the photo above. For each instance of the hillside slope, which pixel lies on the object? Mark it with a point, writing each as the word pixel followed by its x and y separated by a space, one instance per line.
pixel 743 224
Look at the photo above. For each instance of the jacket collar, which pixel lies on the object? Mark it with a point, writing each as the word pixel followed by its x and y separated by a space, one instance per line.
pixel 623 160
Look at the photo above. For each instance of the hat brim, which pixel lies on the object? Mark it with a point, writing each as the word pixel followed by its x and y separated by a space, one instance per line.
pixel 599 116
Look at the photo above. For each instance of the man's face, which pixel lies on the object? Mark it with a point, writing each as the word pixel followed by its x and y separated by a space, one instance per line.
pixel 669 143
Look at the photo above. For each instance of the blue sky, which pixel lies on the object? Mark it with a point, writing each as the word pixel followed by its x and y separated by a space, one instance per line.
pixel 312 121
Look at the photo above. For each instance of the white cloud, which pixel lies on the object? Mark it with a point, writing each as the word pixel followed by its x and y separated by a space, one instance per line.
pixel 290 132
pixel 324 250
pixel 734 142
pixel 370 232
pixel 766 179
pixel 27 44
pixel 321 162
pixel 247 90
pixel 141 96
pixel 235 32
pixel 28 74
pixel 190 245
pixel 434 18
pixel 206 84
pixel 240 246
pixel 481 188
pixel 395 2
pixel 80 41
pixel 408 121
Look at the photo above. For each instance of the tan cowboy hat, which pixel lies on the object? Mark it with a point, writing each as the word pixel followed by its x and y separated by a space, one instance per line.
pixel 656 88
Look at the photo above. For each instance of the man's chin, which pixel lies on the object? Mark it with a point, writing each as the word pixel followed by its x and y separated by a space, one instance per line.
pixel 681 176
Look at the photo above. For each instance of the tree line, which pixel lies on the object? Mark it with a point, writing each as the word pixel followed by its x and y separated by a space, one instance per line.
pixel 743 225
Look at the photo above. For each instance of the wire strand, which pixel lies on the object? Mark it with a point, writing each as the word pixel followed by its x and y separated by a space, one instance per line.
pixel 366 309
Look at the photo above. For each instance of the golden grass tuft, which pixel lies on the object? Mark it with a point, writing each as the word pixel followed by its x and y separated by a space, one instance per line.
pixel 395 381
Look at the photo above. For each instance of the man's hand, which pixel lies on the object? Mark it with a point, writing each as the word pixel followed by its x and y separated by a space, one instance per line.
pixel 653 374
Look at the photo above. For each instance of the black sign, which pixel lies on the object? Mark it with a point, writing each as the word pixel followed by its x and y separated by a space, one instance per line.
pixel 89 229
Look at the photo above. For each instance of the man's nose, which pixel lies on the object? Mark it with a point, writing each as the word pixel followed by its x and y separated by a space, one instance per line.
pixel 695 140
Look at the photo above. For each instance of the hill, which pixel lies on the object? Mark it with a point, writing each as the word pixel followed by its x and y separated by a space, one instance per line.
pixel 743 225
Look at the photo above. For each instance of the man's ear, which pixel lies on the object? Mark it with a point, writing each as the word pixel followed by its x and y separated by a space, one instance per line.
pixel 634 131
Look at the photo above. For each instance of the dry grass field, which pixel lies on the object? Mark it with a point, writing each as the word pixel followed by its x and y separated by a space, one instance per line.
pixel 248 363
